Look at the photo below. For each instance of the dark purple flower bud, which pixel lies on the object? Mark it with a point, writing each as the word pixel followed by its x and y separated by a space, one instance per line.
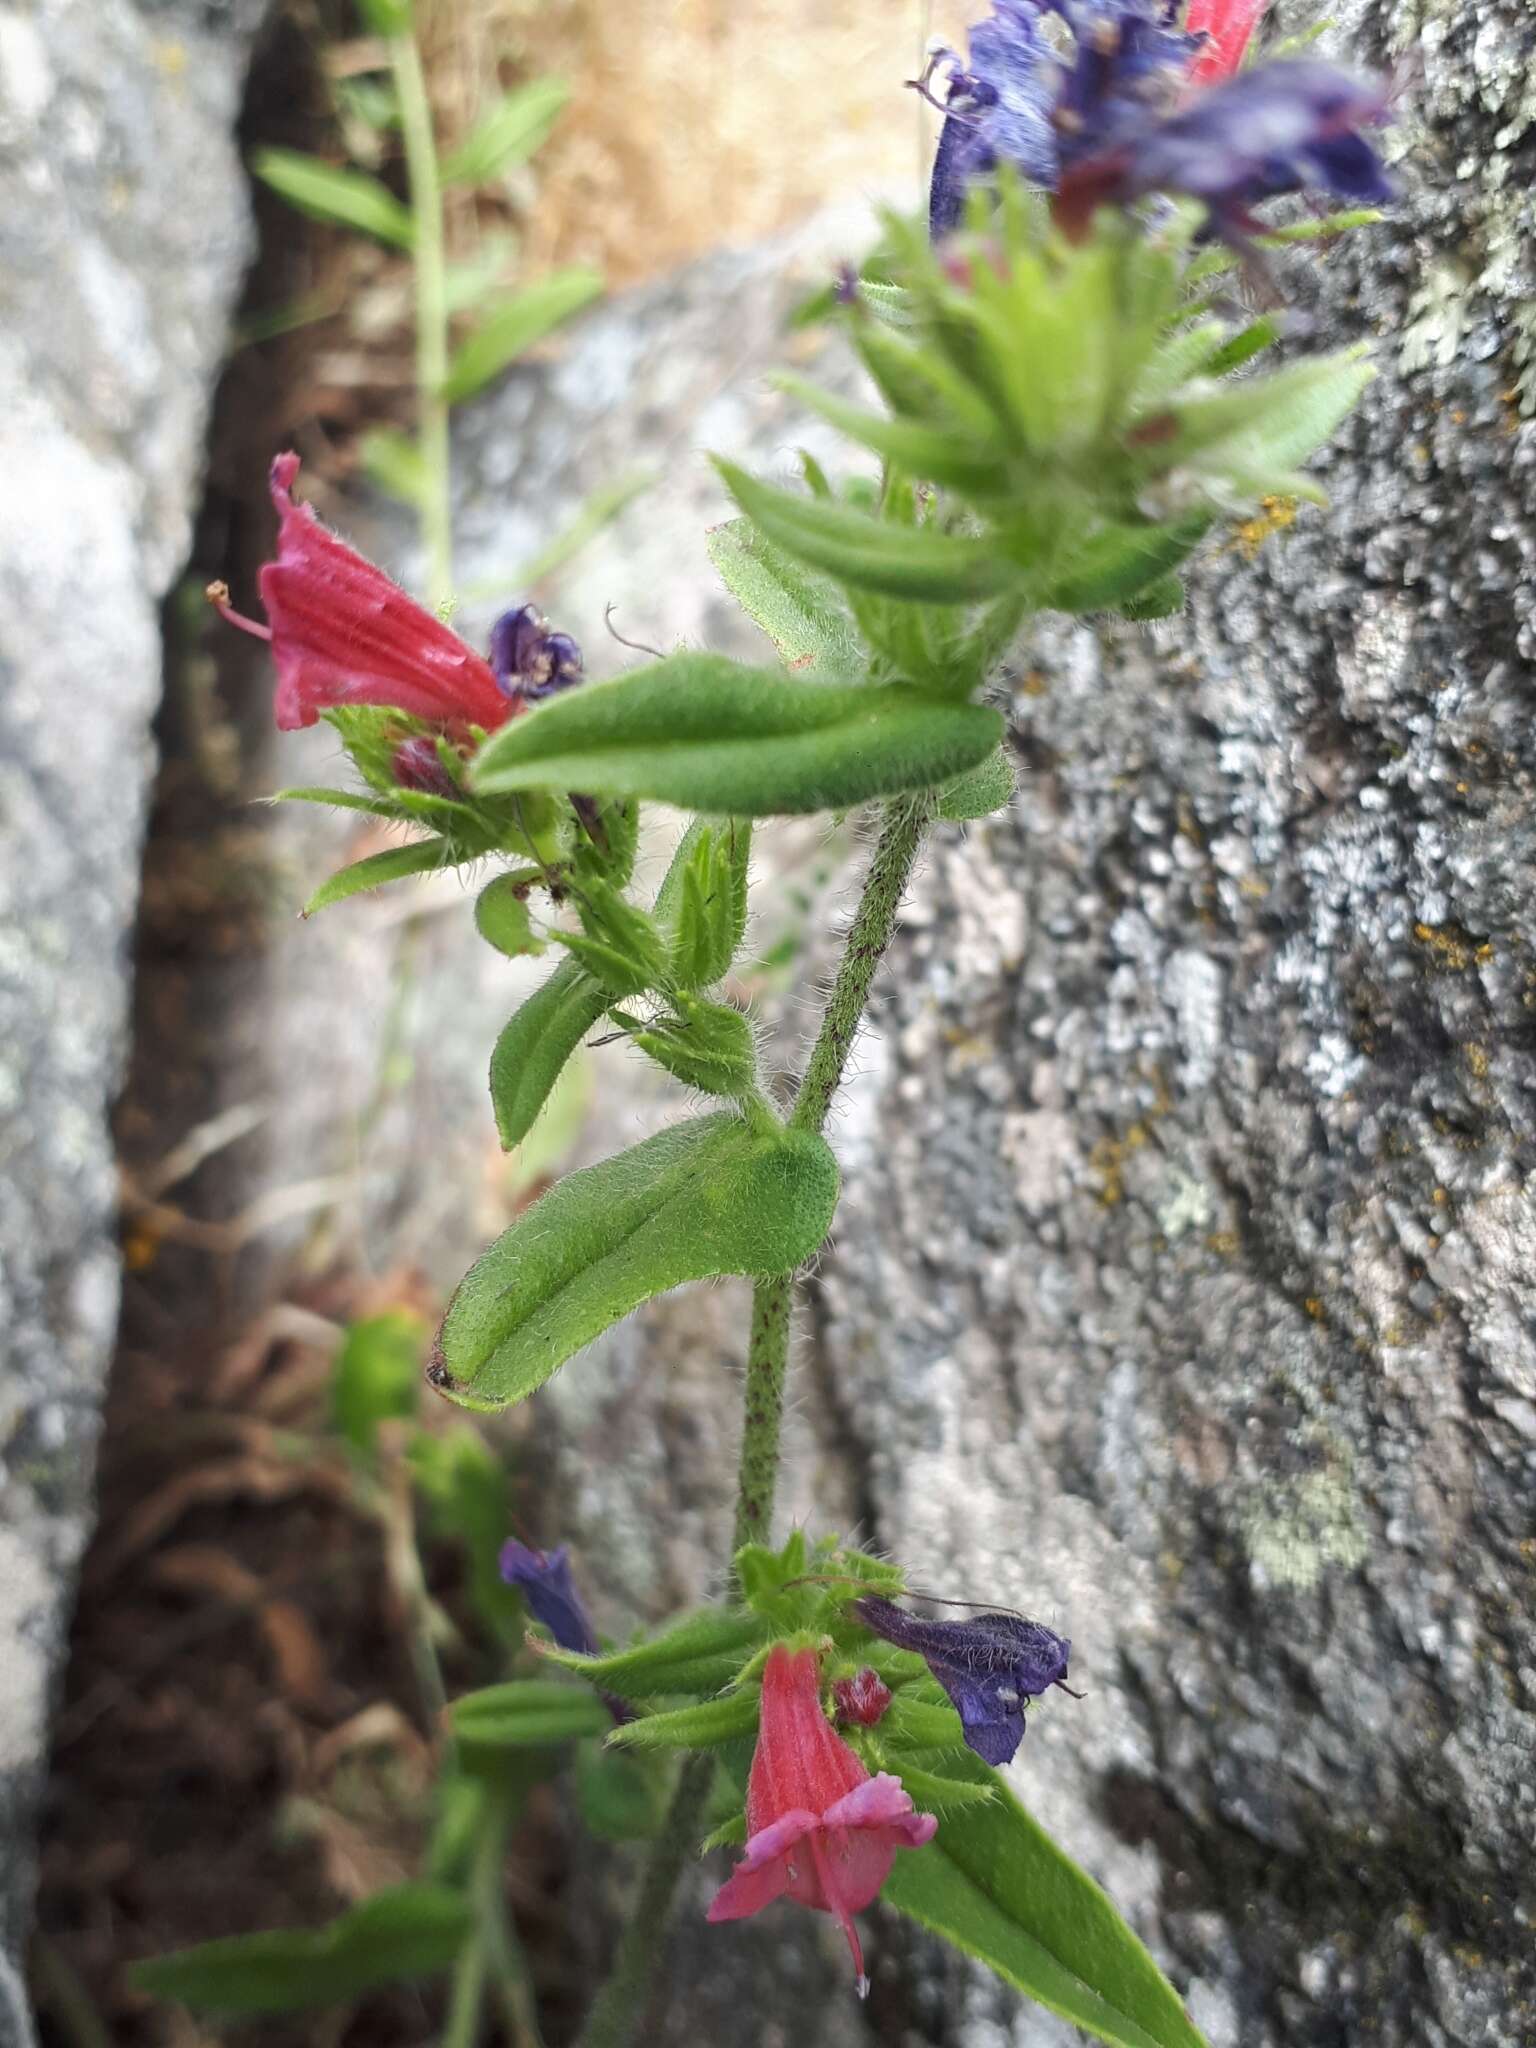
pixel 990 1667
pixel 1284 127
pixel 862 1698
pixel 543 1577
pixel 516 639
pixel 559 665
pixel 528 660
pixel 418 765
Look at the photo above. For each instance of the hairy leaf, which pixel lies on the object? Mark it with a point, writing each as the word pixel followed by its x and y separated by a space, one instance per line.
pixel 535 1044
pixel 711 1196
pixel 980 791
pixel 527 1713
pixel 800 611
pixel 995 1884
pixel 419 857
pixel 711 735
pixel 917 564
pixel 699 1654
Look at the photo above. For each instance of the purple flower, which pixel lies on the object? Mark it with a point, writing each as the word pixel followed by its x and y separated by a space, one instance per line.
pixel 1115 117
pixel 990 1667
pixel 528 660
pixel 1287 127
pixel 543 1577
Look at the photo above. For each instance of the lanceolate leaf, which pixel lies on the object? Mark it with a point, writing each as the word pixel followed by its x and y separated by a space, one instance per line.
pixel 1117 562
pixel 420 857
pixel 705 1726
pixel 528 1713
pixel 994 1884
pixel 350 198
pixel 940 455
pixel 700 1654
pixel 711 735
pixel 536 1043
pixel 515 325
pixel 409 1931
pixel 509 134
pixel 917 564
pixel 715 1195
pixel 801 612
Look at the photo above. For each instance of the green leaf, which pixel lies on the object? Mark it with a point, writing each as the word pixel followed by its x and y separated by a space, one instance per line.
pixel 994 1884
pixel 409 1931
pixel 916 564
pixel 710 902
pixel 341 800
pixel 941 455
pixel 934 1794
pixel 508 134
pixel 377 1376
pixel 527 1713
pixel 536 1043
pixel 980 791
pixel 1116 562
pixel 712 1196
pixel 622 1798
pixel 1243 346
pixel 801 612
pixel 502 920
pixel 1251 434
pixel 393 461
pixel 699 1654
pixel 726 1719
pixel 515 325
pixel 325 191
pixel 620 944
pixel 710 735
pixel 706 1045
pixel 1161 600
pixel 464 1486
pixel 419 857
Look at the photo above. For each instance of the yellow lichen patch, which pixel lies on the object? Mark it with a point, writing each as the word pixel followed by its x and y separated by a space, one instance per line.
pixel 1314 1308
pixel 1224 1243
pixel 1034 684
pixel 1108 1158
pixel 1453 949
pixel 1274 516
pixel 1477 1060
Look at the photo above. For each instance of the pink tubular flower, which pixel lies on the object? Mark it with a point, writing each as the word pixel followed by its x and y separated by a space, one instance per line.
pixel 819 1827
pixel 342 633
pixel 1229 27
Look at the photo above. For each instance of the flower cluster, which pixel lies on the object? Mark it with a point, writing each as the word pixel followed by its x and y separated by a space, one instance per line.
pixel 1140 105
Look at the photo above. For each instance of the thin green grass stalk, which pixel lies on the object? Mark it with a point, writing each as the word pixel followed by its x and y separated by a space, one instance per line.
pixel 430 270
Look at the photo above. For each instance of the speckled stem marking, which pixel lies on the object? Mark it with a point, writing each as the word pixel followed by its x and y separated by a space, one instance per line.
pixel 906 821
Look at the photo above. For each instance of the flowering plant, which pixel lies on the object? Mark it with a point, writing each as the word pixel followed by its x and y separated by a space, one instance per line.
pixel 1072 405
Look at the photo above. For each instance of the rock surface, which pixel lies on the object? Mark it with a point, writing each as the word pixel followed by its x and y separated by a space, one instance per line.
pixel 114 298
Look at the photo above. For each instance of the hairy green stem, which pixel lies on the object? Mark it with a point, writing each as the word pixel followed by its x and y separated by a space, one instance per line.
pixel 618 2009
pixel 430 269
pixel 616 2012
pixel 906 821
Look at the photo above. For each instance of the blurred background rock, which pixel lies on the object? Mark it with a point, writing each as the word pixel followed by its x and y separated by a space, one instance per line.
pixel 1183 1290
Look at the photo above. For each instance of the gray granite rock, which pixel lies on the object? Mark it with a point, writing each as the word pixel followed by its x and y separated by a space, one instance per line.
pixel 122 236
